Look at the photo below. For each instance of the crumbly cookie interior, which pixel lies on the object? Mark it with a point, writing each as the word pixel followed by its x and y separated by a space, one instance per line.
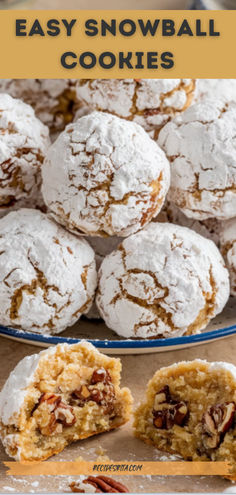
pixel 191 412
pixel 76 395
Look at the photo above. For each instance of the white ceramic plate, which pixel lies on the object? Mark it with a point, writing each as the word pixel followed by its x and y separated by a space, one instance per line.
pixel 108 342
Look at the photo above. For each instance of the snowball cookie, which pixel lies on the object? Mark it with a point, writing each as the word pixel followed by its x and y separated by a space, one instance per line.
pixel 190 409
pixel 101 246
pixel 164 281
pixel 201 147
pixel 47 275
pixel 104 176
pixel 209 228
pixel 217 88
pixel 54 100
pixel 228 248
pixel 23 144
pixel 149 102
pixel 63 394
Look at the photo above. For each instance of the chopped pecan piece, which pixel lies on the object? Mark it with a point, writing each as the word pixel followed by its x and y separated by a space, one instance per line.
pixel 103 394
pixel 102 484
pixel 100 375
pixel 216 421
pixel 168 411
pixel 59 413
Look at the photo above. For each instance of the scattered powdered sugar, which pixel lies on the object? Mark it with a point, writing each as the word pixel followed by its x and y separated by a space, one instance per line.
pixel 47 281
pixel 228 247
pixel 23 144
pixel 149 102
pixel 105 175
pixel 163 281
pixel 201 146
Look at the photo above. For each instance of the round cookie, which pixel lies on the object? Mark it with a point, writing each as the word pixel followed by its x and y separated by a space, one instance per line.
pixel 164 281
pixel 48 276
pixel 23 144
pixel 201 147
pixel 104 176
pixel 219 89
pixel 228 249
pixel 54 100
pixel 63 394
pixel 190 410
pixel 102 247
pixel 209 228
pixel 149 102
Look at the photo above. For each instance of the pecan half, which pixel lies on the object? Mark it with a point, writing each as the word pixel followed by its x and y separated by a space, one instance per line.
pixel 168 411
pixel 216 421
pixel 102 484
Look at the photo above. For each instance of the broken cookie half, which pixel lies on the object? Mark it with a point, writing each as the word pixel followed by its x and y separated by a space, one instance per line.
pixel 190 409
pixel 63 394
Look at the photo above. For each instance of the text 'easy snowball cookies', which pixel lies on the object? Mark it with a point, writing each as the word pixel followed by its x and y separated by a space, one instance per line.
pixel 105 176
pixel 201 146
pixel 47 275
pixel 23 144
pixel 164 281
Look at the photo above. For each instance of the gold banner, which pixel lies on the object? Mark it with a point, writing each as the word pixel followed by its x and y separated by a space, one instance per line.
pixel 119 468
pixel 117 44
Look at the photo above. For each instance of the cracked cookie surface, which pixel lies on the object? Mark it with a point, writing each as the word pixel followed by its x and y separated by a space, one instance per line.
pixel 149 102
pixel 23 144
pixel 48 276
pixel 209 228
pixel 190 409
pixel 164 281
pixel 63 394
pixel 54 100
pixel 221 89
pixel 201 147
pixel 104 176
pixel 228 249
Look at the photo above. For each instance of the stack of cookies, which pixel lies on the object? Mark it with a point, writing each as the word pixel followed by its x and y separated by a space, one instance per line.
pixel 123 215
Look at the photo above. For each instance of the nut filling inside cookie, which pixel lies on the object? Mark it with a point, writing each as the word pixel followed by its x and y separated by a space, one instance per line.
pixel 54 412
pixel 190 410
pixel 73 393
pixel 167 411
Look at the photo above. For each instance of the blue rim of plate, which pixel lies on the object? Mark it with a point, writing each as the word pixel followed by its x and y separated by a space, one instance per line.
pixel 116 344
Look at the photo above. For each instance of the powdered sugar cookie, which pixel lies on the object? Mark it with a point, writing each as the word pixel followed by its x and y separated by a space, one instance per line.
pixel 228 248
pixel 164 281
pixel 209 228
pixel 54 100
pixel 63 394
pixel 104 176
pixel 48 276
pixel 220 89
pixel 201 147
pixel 23 144
pixel 190 409
pixel 149 102
pixel 102 246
